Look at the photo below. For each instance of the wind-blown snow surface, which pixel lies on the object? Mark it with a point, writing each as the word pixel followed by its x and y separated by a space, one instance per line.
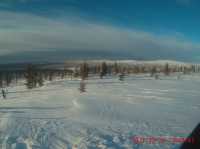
pixel 106 116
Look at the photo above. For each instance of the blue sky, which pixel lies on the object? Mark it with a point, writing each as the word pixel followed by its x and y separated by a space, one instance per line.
pixel 114 29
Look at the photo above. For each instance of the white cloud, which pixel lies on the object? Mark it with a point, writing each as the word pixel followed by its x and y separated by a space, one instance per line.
pixel 28 33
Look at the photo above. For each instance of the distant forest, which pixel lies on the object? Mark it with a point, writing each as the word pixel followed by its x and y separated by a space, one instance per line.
pixel 35 76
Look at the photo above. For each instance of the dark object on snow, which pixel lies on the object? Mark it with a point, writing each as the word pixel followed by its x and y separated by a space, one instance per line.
pixel 195 135
pixel 3 93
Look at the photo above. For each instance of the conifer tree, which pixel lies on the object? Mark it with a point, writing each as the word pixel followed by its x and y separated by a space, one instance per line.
pixel 84 70
pixel 104 69
pixel 8 79
pixel 153 71
pixel 30 75
pixel 1 80
pixel 116 68
pixel 40 79
pixel 166 69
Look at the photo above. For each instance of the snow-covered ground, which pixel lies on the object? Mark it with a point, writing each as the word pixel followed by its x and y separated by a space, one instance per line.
pixel 106 116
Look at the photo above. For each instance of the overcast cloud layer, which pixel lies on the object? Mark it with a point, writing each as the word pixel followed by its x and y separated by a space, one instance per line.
pixel 22 33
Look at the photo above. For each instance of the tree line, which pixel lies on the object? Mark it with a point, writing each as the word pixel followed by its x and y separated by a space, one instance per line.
pixel 35 76
pixel 104 69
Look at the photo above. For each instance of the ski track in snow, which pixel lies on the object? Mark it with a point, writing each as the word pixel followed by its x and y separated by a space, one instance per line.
pixel 106 116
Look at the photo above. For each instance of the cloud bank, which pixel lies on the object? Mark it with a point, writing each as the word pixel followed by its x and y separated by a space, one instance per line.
pixel 28 33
